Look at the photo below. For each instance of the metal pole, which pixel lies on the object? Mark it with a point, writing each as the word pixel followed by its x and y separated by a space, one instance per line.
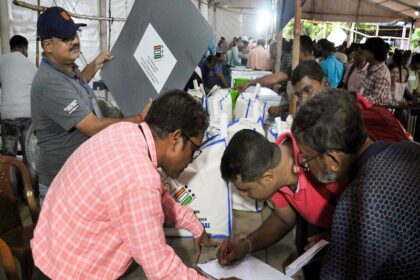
pixel 279 35
pixel 103 44
pixel 403 37
pixel 296 50
pixel 4 27
pixel 37 40
pixel 352 33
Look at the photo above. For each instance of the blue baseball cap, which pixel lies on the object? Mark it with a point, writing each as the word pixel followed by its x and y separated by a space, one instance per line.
pixel 56 22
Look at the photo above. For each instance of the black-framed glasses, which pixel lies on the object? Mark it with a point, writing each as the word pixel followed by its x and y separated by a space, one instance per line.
pixel 197 151
pixel 303 162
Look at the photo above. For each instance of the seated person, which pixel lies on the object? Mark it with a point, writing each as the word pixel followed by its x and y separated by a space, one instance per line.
pixel 212 73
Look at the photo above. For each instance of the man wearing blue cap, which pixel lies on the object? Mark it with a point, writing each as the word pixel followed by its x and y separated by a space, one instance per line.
pixel 64 108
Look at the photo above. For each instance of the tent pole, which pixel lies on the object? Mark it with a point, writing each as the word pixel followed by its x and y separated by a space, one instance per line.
pixel 352 33
pixel 4 27
pixel 102 26
pixel 403 36
pixel 279 36
pixel 296 50
pixel 38 42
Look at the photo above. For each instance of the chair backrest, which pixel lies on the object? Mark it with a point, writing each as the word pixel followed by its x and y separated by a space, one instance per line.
pixel 9 210
pixel 8 262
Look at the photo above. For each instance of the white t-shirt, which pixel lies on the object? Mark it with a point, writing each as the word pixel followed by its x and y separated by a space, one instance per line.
pixel 16 75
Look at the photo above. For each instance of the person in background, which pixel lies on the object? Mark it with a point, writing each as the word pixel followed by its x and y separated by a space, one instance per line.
pixel 413 81
pixel 259 57
pixel 306 53
pixel 232 56
pixel 222 46
pixel 375 229
pixel 212 72
pixel 308 80
pixel 341 54
pixel 65 112
pixel 356 72
pixel 332 67
pixel 16 75
pixel 107 204
pixel 377 83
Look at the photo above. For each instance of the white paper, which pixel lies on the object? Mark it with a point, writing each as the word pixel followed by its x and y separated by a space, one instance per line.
pixel 154 58
pixel 249 268
pixel 305 258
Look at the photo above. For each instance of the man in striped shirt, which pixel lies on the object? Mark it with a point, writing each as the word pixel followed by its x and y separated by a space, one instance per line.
pixel 107 204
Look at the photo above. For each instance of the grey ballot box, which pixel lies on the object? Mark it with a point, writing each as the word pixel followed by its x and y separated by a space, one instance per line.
pixel 157 50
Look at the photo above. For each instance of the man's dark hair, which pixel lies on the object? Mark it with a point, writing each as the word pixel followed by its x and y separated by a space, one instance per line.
pixel 18 42
pixel 309 68
pixel 331 120
pixel 326 45
pixel 260 42
pixel 306 44
pixel 415 59
pixel 210 59
pixel 249 154
pixel 377 47
pixel 177 110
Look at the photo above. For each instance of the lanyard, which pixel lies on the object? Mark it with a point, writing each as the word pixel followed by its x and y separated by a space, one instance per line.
pixel 83 84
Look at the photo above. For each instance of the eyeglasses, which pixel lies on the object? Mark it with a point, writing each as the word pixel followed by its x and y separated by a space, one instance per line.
pixel 303 162
pixel 197 151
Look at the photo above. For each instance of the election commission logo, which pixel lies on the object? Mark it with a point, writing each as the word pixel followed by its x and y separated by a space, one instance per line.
pixel 158 52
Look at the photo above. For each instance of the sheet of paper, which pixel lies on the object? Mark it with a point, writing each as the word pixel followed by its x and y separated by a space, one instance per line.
pixel 249 268
pixel 294 267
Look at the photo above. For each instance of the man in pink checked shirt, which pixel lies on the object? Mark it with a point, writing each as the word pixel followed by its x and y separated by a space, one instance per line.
pixel 107 204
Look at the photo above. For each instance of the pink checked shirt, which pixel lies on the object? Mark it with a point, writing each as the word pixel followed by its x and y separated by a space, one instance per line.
pixel 107 206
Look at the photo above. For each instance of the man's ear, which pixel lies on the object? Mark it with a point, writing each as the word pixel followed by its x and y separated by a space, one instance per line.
pixel 47 46
pixel 268 177
pixel 175 139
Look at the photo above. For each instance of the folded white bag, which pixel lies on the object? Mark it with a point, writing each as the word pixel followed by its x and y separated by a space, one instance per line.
pixel 279 127
pixel 198 93
pixel 267 97
pixel 218 102
pixel 202 188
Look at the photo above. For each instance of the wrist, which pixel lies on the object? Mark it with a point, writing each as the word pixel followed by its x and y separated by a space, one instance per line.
pixel 248 244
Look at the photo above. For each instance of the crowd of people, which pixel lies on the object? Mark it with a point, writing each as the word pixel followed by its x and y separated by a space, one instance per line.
pixel 347 172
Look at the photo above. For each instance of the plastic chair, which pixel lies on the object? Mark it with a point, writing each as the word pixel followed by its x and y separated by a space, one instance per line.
pixel 8 262
pixel 12 231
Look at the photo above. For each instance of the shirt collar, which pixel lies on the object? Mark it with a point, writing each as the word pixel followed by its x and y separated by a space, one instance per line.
pixel 374 68
pixel 150 142
pixel 60 68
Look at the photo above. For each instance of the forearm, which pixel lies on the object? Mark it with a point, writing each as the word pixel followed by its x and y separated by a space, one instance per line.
pixel 270 80
pixel 89 71
pixel 222 80
pixel 272 230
